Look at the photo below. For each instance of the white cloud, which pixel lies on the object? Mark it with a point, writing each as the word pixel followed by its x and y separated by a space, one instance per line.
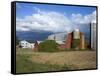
pixel 46 21
pixel 51 21
pixel 79 18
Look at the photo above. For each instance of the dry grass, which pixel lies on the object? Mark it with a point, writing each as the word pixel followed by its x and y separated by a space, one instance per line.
pixel 74 59
pixel 85 59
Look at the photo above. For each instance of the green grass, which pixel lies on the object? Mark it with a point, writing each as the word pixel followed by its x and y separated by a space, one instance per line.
pixel 24 65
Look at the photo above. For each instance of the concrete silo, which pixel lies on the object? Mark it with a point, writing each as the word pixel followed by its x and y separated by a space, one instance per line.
pixel 93 35
pixel 76 34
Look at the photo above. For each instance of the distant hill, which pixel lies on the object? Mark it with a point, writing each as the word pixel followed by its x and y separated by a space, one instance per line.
pixel 32 36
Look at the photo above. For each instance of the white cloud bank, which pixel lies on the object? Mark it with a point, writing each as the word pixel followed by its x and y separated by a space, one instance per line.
pixel 79 18
pixel 51 21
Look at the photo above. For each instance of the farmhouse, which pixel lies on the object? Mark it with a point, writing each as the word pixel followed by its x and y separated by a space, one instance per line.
pixel 26 44
pixel 29 44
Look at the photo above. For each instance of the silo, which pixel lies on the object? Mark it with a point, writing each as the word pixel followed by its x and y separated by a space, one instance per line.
pixel 82 41
pixel 76 39
pixel 76 34
pixel 93 35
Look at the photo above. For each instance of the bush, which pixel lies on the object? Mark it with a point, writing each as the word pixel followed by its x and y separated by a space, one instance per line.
pixel 48 46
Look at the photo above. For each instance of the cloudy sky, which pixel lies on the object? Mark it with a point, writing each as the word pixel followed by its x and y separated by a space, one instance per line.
pixel 53 18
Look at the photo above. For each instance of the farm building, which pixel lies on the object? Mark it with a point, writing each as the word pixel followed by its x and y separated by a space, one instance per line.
pixel 26 44
pixel 29 44
pixel 75 39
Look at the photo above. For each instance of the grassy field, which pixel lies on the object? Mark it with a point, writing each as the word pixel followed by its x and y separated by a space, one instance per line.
pixel 29 61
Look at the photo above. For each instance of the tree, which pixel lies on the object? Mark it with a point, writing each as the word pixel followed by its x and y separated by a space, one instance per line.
pixel 48 46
